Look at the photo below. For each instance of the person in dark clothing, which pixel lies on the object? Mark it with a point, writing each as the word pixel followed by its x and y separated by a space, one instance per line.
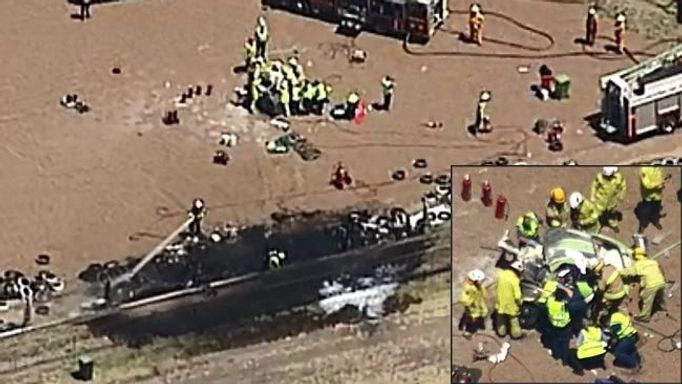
pixel 85 9
pixel 196 213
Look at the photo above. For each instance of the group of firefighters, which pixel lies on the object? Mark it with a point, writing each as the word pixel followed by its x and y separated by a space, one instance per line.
pixel 589 306
pixel 476 20
pixel 292 91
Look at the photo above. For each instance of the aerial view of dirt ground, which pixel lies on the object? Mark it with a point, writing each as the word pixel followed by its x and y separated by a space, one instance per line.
pixel 117 118
pixel 481 242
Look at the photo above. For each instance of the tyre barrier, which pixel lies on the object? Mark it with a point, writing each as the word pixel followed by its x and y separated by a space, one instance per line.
pixel 43 260
pixel 443 179
pixel 399 175
pixel 426 178
pixel 419 163
pixel 42 310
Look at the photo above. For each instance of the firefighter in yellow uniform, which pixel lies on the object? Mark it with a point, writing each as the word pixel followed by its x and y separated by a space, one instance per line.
pixel 262 35
pixel 284 97
pixel 619 32
pixel 584 214
pixel 557 209
pixel 476 20
pixel 473 297
pixel 610 287
pixel 607 191
pixel 590 351
pixel 508 301
pixel 249 52
pixel 651 185
pixel 651 282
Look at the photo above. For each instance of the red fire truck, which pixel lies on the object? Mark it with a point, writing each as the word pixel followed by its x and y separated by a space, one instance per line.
pixel 417 18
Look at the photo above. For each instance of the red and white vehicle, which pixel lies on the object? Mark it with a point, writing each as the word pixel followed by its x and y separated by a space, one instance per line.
pixel 643 99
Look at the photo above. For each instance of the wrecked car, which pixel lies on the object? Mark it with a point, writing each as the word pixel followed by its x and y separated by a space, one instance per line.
pixel 559 248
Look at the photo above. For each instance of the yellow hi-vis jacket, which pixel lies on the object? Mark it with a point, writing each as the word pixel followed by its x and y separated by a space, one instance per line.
pixel 588 214
pixel 651 182
pixel 607 192
pixel 508 293
pixel 648 271
pixel 473 298
pixel 557 313
pixel 547 290
pixel 591 344
pixel 623 323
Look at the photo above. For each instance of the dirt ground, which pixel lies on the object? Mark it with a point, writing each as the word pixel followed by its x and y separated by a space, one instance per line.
pixel 527 189
pixel 78 186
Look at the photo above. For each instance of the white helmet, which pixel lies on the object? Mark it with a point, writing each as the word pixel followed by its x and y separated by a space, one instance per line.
pixel 620 18
pixel 609 171
pixel 475 8
pixel 563 273
pixel 575 200
pixel 476 275
pixel 198 203
pixel 592 11
pixel 517 265
pixel 485 96
pixel 261 20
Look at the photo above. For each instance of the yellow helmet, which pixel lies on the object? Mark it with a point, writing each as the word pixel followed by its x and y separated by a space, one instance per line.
pixel 557 195
pixel 639 253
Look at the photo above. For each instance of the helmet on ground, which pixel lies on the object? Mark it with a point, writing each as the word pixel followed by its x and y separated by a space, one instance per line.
pixel 476 275
pixel 575 199
pixel 592 10
pixel 557 195
pixel 198 203
pixel 485 96
pixel 609 171
pixel 475 8
pixel 620 18
pixel 517 265
pixel 639 253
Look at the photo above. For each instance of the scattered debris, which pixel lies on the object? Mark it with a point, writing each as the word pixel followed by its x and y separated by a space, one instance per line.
pixel 523 69
pixel 221 157
pixel 280 122
pixel 434 124
pixel 358 56
pixel 228 139
pixel 171 118
pixel 70 101
pixel 116 71
pixel 500 357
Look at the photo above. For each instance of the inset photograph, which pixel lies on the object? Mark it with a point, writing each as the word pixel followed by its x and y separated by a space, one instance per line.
pixel 566 274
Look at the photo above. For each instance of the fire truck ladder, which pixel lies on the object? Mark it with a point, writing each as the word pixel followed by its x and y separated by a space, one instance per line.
pixel 661 60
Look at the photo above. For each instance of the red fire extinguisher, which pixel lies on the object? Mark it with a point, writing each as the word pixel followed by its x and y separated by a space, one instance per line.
pixel 486 193
pixel 501 207
pixel 466 188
